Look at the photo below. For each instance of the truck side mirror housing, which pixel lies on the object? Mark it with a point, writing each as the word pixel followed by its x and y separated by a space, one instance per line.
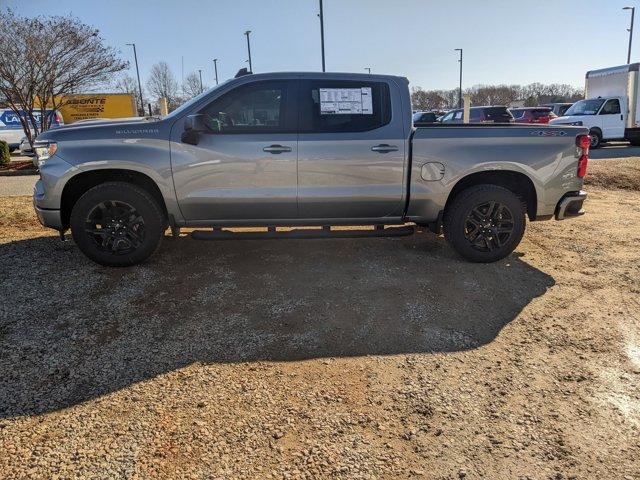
pixel 194 125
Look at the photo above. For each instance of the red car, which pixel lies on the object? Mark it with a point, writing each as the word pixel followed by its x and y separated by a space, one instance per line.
pixel 532 114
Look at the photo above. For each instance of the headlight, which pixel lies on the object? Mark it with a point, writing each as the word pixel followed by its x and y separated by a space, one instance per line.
pixel 44 151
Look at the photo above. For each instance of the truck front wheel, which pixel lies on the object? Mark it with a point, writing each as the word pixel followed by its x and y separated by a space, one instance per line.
pixel 596 139
pixel 484 223
pixel 117 224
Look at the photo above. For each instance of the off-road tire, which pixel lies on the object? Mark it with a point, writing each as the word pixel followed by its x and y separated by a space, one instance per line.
pixel 145 206
pixel 458 215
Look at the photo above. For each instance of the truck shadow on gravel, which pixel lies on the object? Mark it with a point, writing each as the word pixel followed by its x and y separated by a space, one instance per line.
pixel 71 331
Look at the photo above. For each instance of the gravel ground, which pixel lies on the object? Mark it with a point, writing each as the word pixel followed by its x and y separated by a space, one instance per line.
pixel 369 358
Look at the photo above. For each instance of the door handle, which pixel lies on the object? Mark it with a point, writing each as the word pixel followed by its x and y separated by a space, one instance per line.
pixel 275 149
pixel 384 148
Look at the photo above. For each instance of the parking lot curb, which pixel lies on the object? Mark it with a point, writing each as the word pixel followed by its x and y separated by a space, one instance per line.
pixel 18 173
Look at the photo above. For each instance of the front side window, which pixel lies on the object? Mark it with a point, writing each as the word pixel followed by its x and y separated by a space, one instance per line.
pixel 447 117
pixel 612 107
pixel 251 108
pixel 343 106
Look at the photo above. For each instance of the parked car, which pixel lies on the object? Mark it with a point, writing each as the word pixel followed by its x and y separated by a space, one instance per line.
pixel 558 109
pixel 25 147
pixel 532 114
pixel 611 109
pixel 11 130
pixel 480 115
pixel 341 152
pixel 424 118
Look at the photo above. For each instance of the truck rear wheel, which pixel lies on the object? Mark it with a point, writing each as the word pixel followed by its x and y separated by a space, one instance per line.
pixel 117 224
pixel 485 223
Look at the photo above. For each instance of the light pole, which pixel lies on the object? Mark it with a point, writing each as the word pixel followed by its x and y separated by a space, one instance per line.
pixel 249 49
pixel 200 73
pixel 321 15
pixel 135 56
pixel 630 30
pixel 215 68
pixel 368 69
pixel 460 92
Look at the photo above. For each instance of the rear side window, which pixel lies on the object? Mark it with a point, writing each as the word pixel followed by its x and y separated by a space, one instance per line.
pixel 343 106
pixel 475 115
pixel 497 114
pixel 517 113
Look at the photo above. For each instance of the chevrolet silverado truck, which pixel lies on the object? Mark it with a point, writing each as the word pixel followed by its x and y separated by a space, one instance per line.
pixel 304 149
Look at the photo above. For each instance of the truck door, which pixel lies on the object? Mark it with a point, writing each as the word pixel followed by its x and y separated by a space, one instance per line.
pixel 246 168
pixel 613 123
pixel 351 150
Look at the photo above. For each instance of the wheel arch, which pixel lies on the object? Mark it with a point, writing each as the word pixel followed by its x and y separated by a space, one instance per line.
pixel 77 185
pixel 517 182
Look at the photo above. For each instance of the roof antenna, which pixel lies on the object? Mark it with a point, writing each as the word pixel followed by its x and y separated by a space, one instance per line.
pixel 242 72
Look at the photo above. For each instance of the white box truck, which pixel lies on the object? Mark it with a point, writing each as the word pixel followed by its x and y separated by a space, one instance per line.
pixel 610 108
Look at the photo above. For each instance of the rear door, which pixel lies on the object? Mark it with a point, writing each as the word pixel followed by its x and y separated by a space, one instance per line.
pixel 351 150
pixel 612 119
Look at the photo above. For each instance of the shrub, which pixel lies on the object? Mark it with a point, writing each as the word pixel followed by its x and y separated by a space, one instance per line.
pixel 5 156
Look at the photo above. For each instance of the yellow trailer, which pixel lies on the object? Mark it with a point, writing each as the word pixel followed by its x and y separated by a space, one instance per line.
pixel 86 106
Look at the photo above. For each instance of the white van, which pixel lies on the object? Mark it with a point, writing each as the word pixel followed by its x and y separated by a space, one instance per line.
pixel 11 130
pixel 610 108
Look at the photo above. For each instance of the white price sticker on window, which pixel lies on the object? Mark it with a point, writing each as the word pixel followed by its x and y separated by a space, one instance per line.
pixel 346 101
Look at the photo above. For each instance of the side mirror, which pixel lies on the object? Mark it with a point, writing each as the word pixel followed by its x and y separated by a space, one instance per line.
pixel 194 125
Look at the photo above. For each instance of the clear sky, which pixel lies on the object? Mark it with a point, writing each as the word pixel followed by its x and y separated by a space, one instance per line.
pixel 504 41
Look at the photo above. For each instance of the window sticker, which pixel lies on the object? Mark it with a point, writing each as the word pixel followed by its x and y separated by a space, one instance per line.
pixel 346 101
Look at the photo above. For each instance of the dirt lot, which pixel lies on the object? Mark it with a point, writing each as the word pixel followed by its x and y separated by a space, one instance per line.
pixel 371 358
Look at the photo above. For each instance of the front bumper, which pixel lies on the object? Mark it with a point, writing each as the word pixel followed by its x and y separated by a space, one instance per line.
pixel 48 217
pixel 570 205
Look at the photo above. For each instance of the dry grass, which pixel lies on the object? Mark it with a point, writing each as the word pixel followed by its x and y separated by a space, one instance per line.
pixel 613 174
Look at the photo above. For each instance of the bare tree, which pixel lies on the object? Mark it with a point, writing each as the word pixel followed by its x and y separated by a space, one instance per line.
pixel 127 84
pixel 46 58
pixel 162 83
pixel 533 95
pixel 191 86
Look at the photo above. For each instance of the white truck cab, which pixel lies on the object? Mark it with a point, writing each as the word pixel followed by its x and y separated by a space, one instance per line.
pixel 610 109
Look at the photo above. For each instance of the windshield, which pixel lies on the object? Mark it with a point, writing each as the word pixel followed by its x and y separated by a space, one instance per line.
pixel 193 101
pixel 585 107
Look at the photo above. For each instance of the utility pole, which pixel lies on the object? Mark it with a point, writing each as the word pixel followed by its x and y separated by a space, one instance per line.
pixel 249 49
pixel 135 56
pixel 200 73
pixel 460 93
pixel 215 68
pixel 321 15
pixel 368 69
pixel 630 30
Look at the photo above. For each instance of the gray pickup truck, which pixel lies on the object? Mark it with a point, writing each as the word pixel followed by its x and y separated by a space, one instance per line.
pixel 304 149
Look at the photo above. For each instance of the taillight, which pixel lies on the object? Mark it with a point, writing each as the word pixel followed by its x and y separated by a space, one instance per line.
pixel 583 142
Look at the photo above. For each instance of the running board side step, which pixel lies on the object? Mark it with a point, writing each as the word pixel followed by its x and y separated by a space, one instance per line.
pixel 325 232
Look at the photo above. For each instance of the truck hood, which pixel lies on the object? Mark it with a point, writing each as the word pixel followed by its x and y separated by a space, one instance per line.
pixel 569 120
pixel 99 128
